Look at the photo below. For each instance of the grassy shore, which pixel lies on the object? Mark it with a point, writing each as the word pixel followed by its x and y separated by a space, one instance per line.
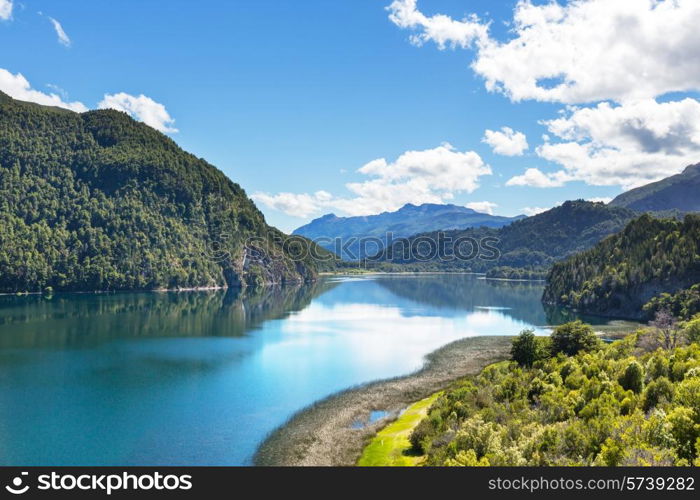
pixel 391 446
pixel 326 433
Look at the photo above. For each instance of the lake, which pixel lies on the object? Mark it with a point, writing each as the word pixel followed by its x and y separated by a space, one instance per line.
pixel 201 378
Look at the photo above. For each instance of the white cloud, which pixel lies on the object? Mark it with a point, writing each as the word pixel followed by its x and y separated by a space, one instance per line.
pixel 483 207
pixel 602 199
pixel 627 145
pixel 623 53
pixel 530 211
pixel 6 10
pixel 141 108
pixel 441 29
pixel 17 87
pixel 506 142
pixel 63 38
pixel 593 50
pixel 534 177
pixel 581 52
pixel 297 205
pixel 428 176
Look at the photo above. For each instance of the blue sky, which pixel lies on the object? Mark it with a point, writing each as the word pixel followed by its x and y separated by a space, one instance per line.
pixel 295 96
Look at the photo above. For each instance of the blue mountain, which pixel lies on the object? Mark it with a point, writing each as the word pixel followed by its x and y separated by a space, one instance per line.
pixel 356 237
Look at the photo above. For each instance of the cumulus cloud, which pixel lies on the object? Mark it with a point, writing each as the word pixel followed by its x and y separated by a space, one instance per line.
pixel 427 176
pixel 506 142
pixel 141 108
pixel 297 205
pixel 6 10
pixel 63 38
pixel 602 199
pixel 594 50
pixel 627 145
pixel 483 207
pixel 534 177
pixel 615 57
pixel 18 87
pixel 584 51
pixel 440 29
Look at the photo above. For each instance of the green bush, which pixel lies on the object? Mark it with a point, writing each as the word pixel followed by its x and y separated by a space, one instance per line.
pixel 659 391
pixel 633 378
pixel 691 329
pixel 418 436
pixel 527 348
pixel 571 338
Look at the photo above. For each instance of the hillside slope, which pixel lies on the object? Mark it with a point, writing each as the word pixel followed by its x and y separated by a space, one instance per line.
pixel 621 274
pixel 679 192
pixel 98 201
pixel 534 242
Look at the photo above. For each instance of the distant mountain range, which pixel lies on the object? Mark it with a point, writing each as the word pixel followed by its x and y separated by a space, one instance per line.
pixel 679 192
pixel 533 242
pixel 409 220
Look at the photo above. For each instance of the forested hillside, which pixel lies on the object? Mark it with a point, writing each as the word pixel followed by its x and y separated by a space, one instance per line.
pixel 533 243
pixel 570 401
pixel 98 201
pixel 678 192
pixel 622 273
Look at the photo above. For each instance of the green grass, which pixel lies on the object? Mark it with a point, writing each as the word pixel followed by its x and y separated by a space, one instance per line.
pixel 391 447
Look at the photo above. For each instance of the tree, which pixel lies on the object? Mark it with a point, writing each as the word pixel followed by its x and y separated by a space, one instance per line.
pixel 525 349
pixel 658 391
pixel 668 333
pixel 691 329
pixel 419 435
pixel 571 338
pixel 684 431
pixel 633 378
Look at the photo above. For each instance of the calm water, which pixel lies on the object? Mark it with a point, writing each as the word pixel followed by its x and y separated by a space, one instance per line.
pixel 202 378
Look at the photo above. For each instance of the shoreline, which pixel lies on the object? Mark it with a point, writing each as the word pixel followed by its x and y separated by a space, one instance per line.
pixel 368 273
pixel 326 433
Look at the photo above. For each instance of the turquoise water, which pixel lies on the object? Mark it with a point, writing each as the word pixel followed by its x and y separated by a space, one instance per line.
pixel 202 378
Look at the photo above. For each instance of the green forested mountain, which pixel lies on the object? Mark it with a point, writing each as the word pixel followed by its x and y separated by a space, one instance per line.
pixel 679 192
pixel 622 273
pixel 531 243
pixel 98 201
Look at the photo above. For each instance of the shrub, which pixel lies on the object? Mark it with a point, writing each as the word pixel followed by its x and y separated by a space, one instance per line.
pixel 419 435
pixel 633 378
pixel 527 348
pixel 658 391
pixel 657 366
pixel 628 406
pixel 685 431
pixel 691 329
pixel 571 338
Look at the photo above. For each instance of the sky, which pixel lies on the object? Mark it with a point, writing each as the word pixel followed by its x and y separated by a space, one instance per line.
pixel 356 107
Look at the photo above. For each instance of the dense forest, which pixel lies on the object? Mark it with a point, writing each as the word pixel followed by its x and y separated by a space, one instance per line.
pixel 523 249
pixel 684 304
pixel 626 271
pixel 570 400
pixel 98 201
